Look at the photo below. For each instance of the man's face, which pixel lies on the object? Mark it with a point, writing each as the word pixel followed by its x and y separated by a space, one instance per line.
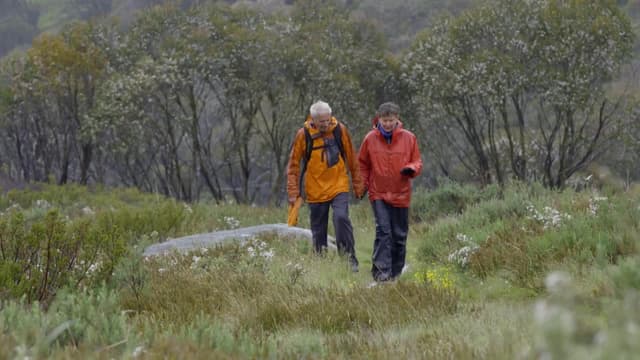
pixel 321 121
pixel 388 122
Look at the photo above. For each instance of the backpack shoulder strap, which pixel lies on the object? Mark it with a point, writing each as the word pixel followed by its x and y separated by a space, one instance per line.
pixel 337 135
pixel 308 141
pixel 308 147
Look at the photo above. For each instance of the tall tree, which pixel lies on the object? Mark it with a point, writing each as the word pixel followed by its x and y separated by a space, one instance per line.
pixel 54 89
pixel 70 66
pixel 165 99
pixel 517 87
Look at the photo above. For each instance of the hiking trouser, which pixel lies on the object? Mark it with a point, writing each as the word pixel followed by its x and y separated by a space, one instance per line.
pixel 319 216
pixel 390 246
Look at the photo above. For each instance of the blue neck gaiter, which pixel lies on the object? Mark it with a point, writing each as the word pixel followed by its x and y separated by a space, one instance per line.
pixel 386 134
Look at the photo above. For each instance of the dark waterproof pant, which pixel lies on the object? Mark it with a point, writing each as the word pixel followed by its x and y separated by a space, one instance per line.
pixel 390 246
pixel 319 215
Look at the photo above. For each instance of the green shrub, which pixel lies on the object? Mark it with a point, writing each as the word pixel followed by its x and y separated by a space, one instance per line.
pixel 89 319
pixel 626 276
pixel 73 196
pixel 96 318
pixel 448 199
pixel 131 275
pixel 508 249
pixel 575 325
pixel 38 259
pixel 529 229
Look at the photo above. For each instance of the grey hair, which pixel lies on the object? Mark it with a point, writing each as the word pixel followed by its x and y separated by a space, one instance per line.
pixel 319 108
pixel 388 108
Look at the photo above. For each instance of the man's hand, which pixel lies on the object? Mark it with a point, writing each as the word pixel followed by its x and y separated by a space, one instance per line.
pixel 292 200
pixel 407 171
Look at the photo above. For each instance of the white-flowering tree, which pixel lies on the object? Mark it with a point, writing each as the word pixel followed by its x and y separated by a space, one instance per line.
pixel 185 102
pixel 157 105
pixel 53 87
pixel 516 88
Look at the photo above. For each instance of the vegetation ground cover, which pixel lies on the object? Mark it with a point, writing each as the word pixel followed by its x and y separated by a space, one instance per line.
pixel 544 272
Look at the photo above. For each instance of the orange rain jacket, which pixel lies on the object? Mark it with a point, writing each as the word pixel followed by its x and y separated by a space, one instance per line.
pixel 322 183
pixel 381 163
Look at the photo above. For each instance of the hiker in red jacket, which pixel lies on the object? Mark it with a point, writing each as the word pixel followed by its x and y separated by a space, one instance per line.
pixel 389 158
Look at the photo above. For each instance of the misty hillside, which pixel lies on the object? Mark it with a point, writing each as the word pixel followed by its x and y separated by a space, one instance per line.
pixel 21 20
pixel 400 21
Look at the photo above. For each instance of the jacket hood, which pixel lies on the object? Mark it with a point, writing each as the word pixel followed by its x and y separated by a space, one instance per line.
pixel 375 121
pixel 308 124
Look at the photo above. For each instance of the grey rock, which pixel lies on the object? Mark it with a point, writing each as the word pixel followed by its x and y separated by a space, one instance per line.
pixel 216 238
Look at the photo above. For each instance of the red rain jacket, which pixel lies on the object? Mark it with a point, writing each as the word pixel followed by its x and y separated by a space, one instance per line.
pixel 381 163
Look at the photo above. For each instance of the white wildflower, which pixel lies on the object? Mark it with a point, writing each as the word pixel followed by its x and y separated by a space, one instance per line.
pixel 549 217
pixel 231 222
pixel 295 267
pixel 463 255
pixel 251 251
pixel 93 267
pixel 557 281
pixel 42 204
pixel 268 254
pixel 137 351
pixel 464 239
pixel 593 204
pixel 15 207
pixel 22 352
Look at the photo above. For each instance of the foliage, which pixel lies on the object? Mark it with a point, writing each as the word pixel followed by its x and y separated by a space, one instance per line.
pixel 200 101
pixel 54 90
pixel 273 297
pixel 221 117
pixel 39 258
pixel 89 320
pixel 515 89
pixel 449 198
pixel 401 21
pixel 522 236
pixel 54 238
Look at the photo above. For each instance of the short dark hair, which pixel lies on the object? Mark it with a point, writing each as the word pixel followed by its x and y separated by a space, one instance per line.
pixel 388 108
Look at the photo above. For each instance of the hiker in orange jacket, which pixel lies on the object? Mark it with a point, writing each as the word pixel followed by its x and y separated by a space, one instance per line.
pixel 321 154
pixel 389 158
